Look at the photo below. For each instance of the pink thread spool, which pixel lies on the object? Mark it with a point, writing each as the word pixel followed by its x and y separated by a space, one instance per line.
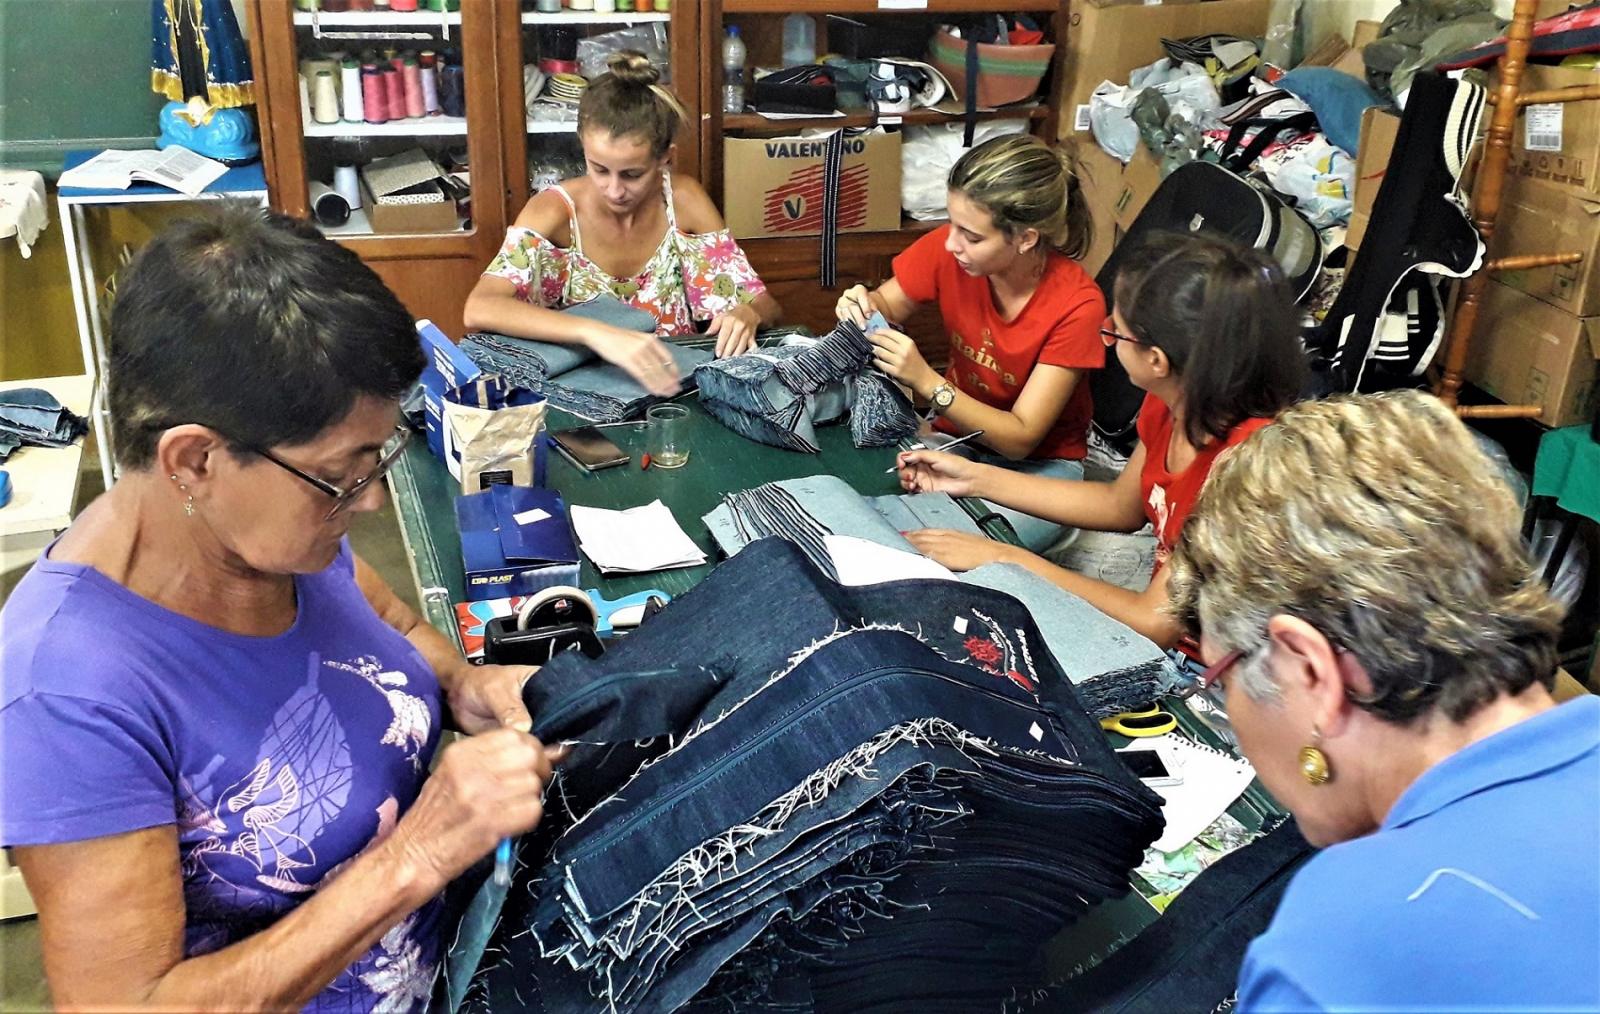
pixel 413 85
pixel 394 93
pixel 374 97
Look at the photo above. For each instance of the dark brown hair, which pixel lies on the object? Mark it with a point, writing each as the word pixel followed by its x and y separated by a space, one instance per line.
pixel 1224 316
pixel 1027 184
pixel 627 101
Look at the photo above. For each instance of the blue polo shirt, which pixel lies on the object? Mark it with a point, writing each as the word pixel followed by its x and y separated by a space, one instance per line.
pixel 1480 891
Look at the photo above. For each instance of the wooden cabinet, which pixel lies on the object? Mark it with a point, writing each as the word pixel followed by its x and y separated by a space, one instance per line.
pixel 494 142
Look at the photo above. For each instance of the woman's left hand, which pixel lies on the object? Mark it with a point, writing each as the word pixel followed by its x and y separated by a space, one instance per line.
pixel 735 330
pixel 897 355
pixel 484 697
pixel 958 550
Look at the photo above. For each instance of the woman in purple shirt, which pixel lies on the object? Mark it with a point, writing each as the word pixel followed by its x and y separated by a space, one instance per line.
pixel 217 724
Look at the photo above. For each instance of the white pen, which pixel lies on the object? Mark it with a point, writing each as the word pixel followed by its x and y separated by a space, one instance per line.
pixel 957 442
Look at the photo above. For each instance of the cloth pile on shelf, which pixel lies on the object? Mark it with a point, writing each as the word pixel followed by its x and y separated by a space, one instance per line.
pixel 847 801
pixel 778 396
pixel 32 417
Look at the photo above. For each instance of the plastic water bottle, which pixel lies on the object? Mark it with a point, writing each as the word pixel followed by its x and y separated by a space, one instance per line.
pixel 799 40
pixel 733 54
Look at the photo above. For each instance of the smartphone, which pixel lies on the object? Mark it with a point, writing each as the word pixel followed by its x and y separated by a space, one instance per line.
pixel 589 449
pixel 1148 766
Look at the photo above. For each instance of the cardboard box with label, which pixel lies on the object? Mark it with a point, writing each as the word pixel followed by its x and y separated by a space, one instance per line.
pixel 1527 352
pixel 1539 218
pixel 1115 194
pixel 1378 130
pixel 775 184
pixel 1108 42
pixel 1558 143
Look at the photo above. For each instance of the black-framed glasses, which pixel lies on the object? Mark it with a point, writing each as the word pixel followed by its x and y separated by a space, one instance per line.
pixel 343 498
pixel 1110 336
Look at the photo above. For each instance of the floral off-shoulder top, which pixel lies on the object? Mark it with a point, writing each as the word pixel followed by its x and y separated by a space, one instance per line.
pixel 690 277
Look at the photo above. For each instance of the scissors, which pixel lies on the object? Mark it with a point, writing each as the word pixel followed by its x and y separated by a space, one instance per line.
pixel 1152 721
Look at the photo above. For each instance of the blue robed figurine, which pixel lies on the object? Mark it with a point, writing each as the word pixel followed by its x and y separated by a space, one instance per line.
pixel 199 62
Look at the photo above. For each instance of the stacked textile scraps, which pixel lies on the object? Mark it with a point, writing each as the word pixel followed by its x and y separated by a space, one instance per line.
pixel 778 396
pixel 871 798
pixel 1112 667
pixel 32 417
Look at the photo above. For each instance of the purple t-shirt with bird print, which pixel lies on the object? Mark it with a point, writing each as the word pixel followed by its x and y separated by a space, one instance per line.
pixel 279 759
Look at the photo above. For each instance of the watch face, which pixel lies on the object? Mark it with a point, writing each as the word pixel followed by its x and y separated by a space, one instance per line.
pixel 945 396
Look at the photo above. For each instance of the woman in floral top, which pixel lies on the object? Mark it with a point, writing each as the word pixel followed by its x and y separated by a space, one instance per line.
pixel 625 229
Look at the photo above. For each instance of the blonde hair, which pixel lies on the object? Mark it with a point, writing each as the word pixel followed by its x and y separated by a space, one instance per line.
pixel 1379 521
pixel 1026 184
pixel 627 100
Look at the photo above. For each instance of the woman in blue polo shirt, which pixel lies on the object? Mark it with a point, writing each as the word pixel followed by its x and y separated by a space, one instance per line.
pixel 1385 651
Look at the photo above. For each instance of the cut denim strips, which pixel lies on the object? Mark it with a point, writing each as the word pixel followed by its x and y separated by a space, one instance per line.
pixel 778 810
pixel 1113 666
pixel 32 417
pixel 571 378
pixel 778 396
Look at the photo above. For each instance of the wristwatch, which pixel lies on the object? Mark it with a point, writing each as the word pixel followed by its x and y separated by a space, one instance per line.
pixel 942 397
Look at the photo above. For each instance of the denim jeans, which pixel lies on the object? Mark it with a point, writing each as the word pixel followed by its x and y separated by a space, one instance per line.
pixel 1035 534
pixel 33 417
pixel 818 772
pixel 570 378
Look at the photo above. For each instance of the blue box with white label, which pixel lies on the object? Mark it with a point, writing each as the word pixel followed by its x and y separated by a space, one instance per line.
pixel 515 540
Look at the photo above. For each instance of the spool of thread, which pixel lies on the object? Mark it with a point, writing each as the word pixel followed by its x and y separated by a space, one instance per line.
pixel 452 90
pixel 605 6
pixel 350 91
pixel 625 6
pixel 335 6
pixel 582 5
pixel 402 6
pixel 551 66
pixel 413 84
pixel 394 93
pixel 324 98
pixel 374 98
pixel 380 5
pixel 306 5
pixel 547 6
pixel 348 184
pixel 328 206
pixel 429 72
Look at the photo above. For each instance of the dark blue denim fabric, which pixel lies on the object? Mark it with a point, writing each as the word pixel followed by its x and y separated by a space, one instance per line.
pixel 806 805
pixel 570 377
pixel 30 416
pixel 778 396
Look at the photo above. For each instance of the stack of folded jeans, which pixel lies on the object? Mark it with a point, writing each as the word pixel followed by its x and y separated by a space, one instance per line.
pixel 571 378
pixel 32 417
pixel 1113 667
pixel 778 396
pixel 846 803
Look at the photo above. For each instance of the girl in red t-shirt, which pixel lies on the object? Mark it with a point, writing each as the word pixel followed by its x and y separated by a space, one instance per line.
pixel 1209 329
pixel 1023 316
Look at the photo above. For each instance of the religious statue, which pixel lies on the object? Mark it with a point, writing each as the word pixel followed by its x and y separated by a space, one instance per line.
pixel 200 63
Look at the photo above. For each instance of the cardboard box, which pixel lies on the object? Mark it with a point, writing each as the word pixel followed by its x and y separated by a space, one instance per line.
pixel 1527 352
pixel 1537 218
pixel 1140 178
pixel 779 185
pixel 1378 130
pixel 504 556
pixel 1558 143
pixel 402 194
pixel 1109 43
pixel 1100 180
pixel 1355 230
pixel 448 368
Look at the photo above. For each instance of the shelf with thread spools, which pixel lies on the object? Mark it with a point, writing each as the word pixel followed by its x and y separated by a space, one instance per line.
pixel 422 126
pixel 376 19
pixel 594 17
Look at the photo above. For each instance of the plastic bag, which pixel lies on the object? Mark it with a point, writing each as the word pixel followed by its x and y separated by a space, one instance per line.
pixel 1188 91
pixel 650 39
pixel 927 154
pixel 1319 176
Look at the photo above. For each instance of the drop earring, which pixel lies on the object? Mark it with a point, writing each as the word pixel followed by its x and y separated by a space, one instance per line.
pixel 1313 762
pixel 188 503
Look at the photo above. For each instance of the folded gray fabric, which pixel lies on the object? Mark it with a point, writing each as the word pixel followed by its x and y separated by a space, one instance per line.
pixel 571 378
pixel 32 416
pixel 778 396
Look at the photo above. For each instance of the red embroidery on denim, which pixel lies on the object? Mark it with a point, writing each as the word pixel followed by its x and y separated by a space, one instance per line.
pixel 984 651
pixel 1020 680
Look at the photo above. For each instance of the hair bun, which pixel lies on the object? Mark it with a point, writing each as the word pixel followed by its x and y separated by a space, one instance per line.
pixel 632 67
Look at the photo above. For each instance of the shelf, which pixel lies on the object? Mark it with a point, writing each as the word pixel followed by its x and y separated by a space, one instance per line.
pixel 756 123
pixel 595 17
pixel 552 126
pixel 359 228
pixel 376 19
pixel 885 6
pixel 427 126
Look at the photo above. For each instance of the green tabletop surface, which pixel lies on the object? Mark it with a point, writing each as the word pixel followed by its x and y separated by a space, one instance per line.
pixel 1568 469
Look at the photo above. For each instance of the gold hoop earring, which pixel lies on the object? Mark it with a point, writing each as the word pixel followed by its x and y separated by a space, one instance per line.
pixel 1313 762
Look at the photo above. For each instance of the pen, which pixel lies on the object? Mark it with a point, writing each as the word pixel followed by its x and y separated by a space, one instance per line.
pixel 957 442
pixel 502 863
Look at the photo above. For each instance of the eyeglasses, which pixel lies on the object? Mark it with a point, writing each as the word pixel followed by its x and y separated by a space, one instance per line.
pixel 1110 336
pixel 343 498
pixel 1218 669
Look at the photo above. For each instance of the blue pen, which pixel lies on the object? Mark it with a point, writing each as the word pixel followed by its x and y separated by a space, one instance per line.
pixel 502 863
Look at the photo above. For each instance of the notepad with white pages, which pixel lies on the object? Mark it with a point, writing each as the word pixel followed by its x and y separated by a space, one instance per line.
pixel 1212 780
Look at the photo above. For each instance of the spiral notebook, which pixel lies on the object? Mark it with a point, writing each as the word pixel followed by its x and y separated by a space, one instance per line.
pixel 1212 780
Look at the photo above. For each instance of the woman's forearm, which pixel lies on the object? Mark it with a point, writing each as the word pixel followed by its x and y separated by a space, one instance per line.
pixel 509 315
pixel 1076 503
pixel 287 964
pixel 1143 611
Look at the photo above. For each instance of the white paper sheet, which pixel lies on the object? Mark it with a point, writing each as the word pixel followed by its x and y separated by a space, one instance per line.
pixel 1212 780
pixel 634 541
pixel 860 562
